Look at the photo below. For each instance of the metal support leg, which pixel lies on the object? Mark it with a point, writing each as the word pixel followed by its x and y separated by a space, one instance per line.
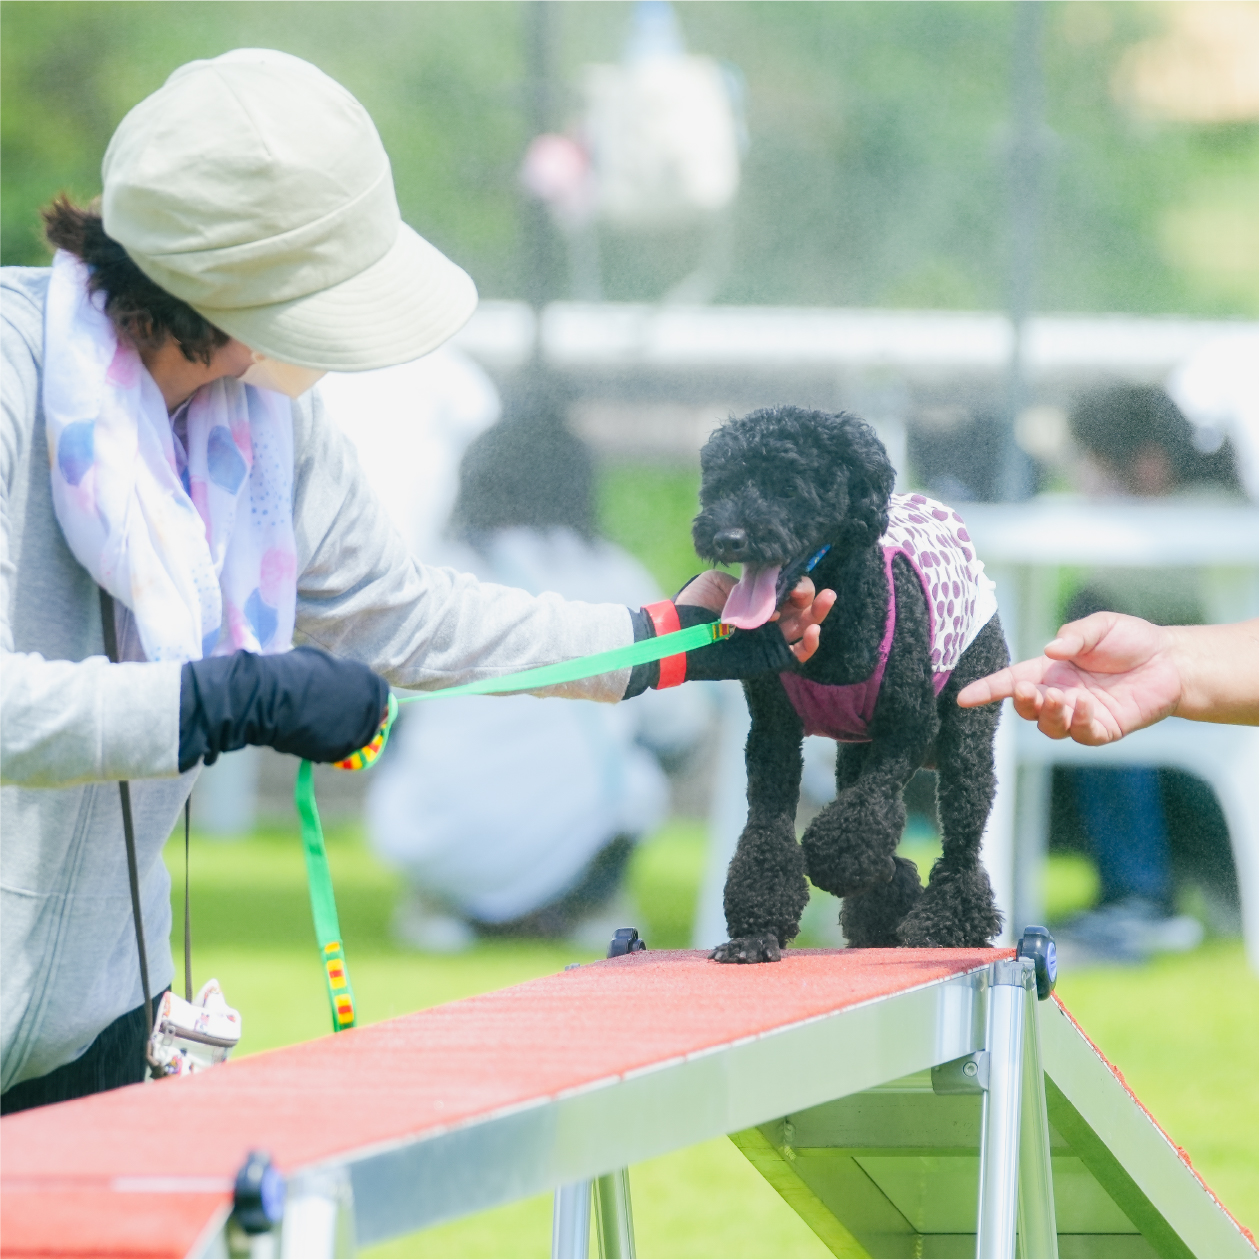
pixel 318 1216
pixel 613 1219
pixel 571 1221
pixel 1000 1127
pixel 1038 1233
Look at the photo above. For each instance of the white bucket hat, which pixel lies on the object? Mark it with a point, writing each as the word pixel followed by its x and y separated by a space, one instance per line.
pixel 256 189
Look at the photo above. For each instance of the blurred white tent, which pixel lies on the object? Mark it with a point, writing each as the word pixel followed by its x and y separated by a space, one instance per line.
pixel 663 138
pixel 661 128
pixel 656 147
pixel 1217 388
pixel 410 425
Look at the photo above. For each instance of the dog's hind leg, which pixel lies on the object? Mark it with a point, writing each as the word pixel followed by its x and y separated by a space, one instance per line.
pixel 765 883
pixel 958 908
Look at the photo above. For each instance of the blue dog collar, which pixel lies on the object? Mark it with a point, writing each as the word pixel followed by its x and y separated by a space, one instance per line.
pixel 794 572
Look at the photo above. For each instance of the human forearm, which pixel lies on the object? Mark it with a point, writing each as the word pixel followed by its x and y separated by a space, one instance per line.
pixel 69 722
pixel 361 596
pixel 1219 667
pixel 1108 674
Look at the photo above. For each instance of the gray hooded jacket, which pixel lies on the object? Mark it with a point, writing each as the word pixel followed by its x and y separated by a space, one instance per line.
pixel 72 724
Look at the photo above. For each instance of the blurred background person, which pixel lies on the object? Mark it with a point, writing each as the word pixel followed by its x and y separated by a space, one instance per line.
pixel 424 414
pixel 1148 829
pixel 508 818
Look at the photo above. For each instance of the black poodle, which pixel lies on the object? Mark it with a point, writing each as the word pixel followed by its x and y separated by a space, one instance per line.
pixel 914 622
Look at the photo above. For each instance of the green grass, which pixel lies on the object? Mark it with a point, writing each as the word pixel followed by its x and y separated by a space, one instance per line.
pixel 647 509
pixel 1183 1030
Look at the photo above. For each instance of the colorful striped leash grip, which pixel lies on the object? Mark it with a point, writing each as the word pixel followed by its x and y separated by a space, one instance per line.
pixel 365 756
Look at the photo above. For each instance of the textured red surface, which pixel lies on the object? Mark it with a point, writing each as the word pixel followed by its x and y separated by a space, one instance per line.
pixel 400 1078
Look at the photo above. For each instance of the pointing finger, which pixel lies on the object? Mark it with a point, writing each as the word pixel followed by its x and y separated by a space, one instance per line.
pixel 985 690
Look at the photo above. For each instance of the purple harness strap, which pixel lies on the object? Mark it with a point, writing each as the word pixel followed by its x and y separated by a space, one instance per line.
pixel 843 713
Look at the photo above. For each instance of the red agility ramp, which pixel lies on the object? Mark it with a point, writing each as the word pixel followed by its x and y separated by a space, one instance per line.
pixel 904 1102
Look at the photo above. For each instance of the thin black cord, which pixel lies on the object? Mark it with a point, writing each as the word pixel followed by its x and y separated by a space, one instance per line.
pixel 129 834
pixel 187 921
pixel 133 876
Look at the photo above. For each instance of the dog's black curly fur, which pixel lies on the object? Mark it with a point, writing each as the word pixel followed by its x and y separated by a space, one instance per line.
pixel 792 480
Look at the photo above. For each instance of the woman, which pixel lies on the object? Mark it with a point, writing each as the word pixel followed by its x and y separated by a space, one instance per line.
pixel 248 240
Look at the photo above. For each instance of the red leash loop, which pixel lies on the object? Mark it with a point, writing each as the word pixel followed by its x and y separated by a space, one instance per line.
pixel 673 669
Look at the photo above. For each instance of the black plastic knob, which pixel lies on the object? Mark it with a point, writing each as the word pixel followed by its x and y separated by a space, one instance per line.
pixel 258 1197
pixel 1038 944
pixel 625 941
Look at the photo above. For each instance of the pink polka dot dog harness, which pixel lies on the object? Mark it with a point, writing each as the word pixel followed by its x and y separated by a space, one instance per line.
pixel 960 603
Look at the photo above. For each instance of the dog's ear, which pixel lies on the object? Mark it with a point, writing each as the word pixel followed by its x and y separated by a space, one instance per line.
pixel 870 478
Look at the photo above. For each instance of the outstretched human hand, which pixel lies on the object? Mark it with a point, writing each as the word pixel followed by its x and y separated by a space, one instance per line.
pixel 1107 675
pixel 799 616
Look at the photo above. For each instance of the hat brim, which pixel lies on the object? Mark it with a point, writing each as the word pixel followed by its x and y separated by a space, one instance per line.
pixel 403 306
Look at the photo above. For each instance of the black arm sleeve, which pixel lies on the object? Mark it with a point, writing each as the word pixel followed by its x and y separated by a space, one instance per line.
pixel 642 676
pixel 746 654
pixel 305 702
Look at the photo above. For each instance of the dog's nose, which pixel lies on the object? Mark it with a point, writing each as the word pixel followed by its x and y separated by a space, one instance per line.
pixel 730 544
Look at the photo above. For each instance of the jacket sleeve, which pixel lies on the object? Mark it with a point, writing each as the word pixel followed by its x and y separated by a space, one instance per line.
pixel 61 721
pixel 361 595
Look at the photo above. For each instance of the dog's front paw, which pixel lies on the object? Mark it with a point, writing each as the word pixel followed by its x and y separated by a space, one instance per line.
pixel 870 920
pixel 749 949
pixel 847 871
pixel 849 846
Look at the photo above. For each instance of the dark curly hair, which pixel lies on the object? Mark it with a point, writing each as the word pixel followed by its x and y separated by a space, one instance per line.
pixel 141 311
pixel 527 470
pixel 1116 422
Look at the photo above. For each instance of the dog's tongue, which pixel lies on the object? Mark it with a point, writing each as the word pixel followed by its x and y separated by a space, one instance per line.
pixel 751 601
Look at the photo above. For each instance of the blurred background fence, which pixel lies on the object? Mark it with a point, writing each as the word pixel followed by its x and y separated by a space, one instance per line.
pixel 1082 158
pixel 878 163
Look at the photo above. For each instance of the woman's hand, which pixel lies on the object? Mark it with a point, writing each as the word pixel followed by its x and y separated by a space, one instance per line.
pixel 1107 675
pixel 799 616
pixel 305 702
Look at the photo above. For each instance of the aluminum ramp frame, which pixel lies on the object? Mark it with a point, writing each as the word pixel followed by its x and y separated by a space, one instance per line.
pixel 573 1077
pixel 893 1171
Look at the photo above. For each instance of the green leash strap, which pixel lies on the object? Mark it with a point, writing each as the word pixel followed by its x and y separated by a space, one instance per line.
pixel 323 903
pixel 588 666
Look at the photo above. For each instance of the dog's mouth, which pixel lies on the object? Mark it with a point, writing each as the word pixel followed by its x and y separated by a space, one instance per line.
pixel 753 598
pixel 763 587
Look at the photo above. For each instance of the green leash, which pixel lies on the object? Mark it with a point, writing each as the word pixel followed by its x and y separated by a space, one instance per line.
pixel 323 903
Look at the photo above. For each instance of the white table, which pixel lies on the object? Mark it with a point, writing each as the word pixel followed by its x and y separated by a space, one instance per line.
pixel 1022 546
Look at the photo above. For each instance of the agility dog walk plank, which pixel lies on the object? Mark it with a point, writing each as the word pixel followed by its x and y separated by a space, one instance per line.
pixel 892 1171
pixel 400 1125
